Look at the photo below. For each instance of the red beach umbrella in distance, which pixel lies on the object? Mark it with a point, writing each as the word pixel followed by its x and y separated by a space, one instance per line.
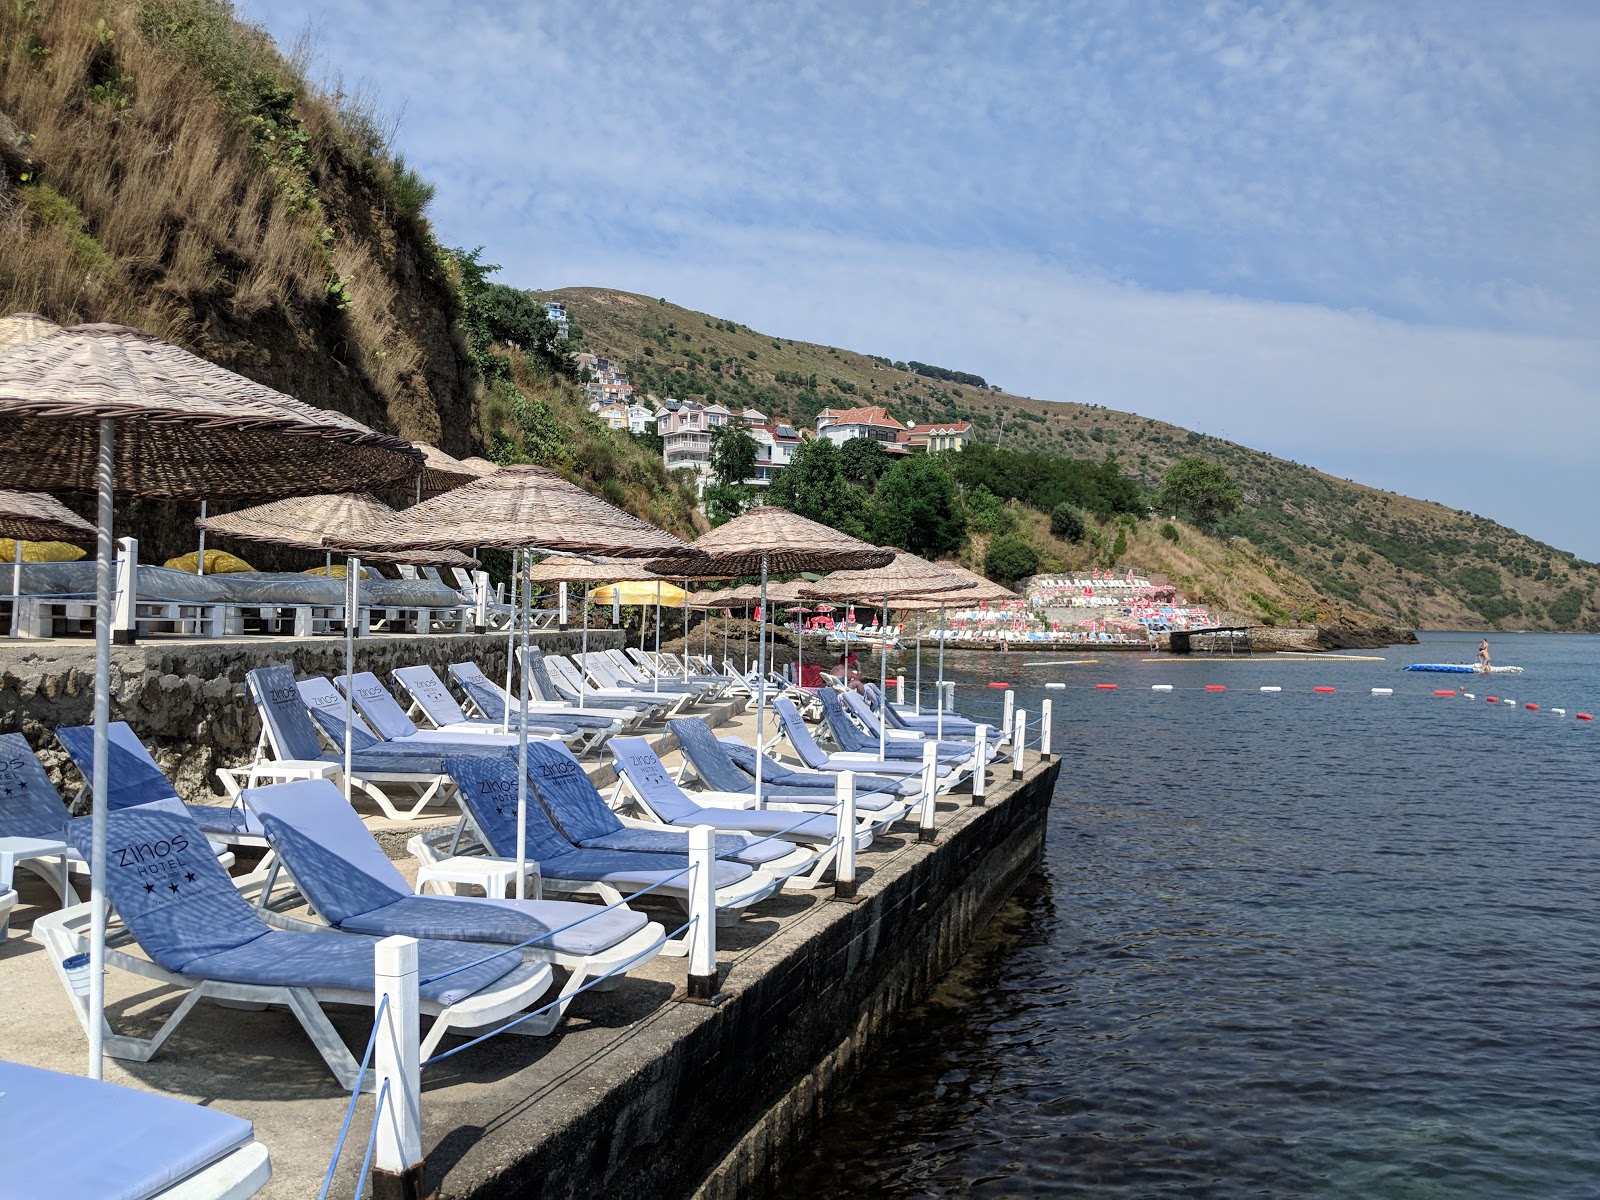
pixel 105 408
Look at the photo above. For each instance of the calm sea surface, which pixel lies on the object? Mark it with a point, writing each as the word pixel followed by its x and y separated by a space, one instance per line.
pixel 1288 945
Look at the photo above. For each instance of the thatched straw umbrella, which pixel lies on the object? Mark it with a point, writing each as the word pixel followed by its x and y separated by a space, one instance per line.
pixel 303 522
pixel 766 540
pixel 529 511
pixel 441 472
pixel 35 517
pixel 907 577
pixel 95 407
pixel 979 590
pixel 480 466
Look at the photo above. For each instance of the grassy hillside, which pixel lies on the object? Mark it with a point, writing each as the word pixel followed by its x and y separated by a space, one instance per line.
pixel 1405 560
pixel 163 166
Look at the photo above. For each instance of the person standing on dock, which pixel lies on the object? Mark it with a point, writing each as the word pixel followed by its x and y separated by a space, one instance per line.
pixel 1483 656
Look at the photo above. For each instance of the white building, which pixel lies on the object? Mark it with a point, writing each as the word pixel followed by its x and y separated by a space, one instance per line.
pixel 839 425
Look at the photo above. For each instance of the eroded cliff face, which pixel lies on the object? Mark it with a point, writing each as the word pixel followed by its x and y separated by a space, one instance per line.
pixel 162 166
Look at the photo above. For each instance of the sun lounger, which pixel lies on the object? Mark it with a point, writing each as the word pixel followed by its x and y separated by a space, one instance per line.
pixel 68 1136
pixel 340 868
pixel 33 827
pixel 904 717
pixel 648 676
pixel 492 702
pixel 851 740
pixel 604 669
pixel 202 935
pixel 488 793
pixel 728 768
pixel 327 706
pixel 571 682
pixel 952 747
pixel 388 720
pixel 433 701
pixel 290 734
pixel 580 812
pixel 811 755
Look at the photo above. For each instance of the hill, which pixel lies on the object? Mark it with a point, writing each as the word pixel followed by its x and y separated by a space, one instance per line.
pixel 1333 544
pixel 163 166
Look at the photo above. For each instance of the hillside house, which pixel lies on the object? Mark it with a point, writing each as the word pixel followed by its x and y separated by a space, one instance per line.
pixel 558 314
pixel 948 435
pixel 839 425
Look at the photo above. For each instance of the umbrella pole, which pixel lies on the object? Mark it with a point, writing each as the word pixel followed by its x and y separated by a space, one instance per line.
pixel 584 656
pixel 200 561
pixel 16 588
pixel 100 772
pixel 747 638
pixel 352 614
pixel 685 630
pixel 522 739
pixel 918 693
pixel 761 683
pixel 655 676
pixel 511 639
pixel 727 617
pixel 939 722
pixel 800 652
pixel 883 677
pixel 327 563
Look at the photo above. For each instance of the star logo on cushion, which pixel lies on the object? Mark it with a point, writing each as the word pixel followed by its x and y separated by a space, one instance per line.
pixel 172 887
pixel 188 876
pixel 148 888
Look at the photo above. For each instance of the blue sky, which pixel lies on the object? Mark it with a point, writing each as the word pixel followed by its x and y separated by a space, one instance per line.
pixel 1362 236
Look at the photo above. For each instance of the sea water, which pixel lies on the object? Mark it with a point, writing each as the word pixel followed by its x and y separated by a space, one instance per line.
pixel 1284 944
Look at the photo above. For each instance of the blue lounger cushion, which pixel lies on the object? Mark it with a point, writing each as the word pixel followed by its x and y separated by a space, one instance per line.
pixel 135 778
pixel 853 741
pixel 815 757
pixel 672 804
pixel 581 813
pixel 327 708
pixel 349 880
pixel 429 691
pixel 186 914
pixel 383 712
pixel 68 1136
pixel 717 768
pixel 488 789
pixel 30 806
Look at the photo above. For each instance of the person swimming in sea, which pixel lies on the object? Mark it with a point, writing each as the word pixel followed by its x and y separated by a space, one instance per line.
pixel 1483 656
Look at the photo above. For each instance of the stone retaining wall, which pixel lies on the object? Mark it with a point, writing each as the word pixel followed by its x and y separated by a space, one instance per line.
pixel 187 700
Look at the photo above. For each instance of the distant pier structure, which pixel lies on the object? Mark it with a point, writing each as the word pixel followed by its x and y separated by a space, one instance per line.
pixel 1214 639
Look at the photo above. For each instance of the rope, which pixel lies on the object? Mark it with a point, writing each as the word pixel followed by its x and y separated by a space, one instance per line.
pixel 558 1001
pixel 533 941
pixel 372 1138
pixel 355 1093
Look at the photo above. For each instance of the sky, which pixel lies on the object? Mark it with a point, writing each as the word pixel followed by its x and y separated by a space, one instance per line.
pixel 1365 237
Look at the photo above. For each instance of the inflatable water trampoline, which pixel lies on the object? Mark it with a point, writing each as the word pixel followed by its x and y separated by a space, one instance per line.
pixel 1463 669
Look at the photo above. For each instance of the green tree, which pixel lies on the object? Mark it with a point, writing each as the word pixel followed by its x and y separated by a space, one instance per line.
pixel 733 454
pixel 863 461
pixel 986 514
pixel 917 507
pixel 1120 546
pixel 1066 522
pixel 722 502
pixel 1009 559
pixel 513 318
pixel 1200 490
pixel 814 486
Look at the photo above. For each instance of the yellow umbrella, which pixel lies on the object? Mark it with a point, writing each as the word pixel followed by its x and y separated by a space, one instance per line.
pixel 639 591
pixel 34 552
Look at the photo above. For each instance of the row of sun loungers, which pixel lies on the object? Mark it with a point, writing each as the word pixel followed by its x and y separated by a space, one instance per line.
pixel 299 929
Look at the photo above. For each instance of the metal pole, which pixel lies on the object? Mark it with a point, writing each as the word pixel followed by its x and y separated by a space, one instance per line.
pixel 522 743
pixel 939 720
pixel 200 562
pixel 561 605
pixel 584 656
pixel 685 609
pixel 702 984
pixel 352 614
pixel 919 664
pixel 761 684
pixel 883 676
pixel 327 563
pixel 655 675
pixel 16 588
pixel 511 642
pixel 100 781
pixel 844 869
pixel 747 639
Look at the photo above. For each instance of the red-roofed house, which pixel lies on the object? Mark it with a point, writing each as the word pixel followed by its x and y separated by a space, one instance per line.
pixel 947 435
pixel 839 425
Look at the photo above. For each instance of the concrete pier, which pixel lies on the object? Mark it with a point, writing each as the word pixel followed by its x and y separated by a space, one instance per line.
pixel 637 1093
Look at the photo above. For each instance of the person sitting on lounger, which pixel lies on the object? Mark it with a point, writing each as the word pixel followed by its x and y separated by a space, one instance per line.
pixel 845 671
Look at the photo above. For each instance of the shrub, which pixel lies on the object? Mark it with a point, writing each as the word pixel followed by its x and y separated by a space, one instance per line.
pixel 1009 559
pixel 1066 523
pixel 1169 531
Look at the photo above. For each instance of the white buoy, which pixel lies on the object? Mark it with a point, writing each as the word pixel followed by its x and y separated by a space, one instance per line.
pixel 1055 685
pixel 1383 691
pixel 1272 689
pixel 1511 702
pixel 1160 687
pixel 1560 712
pixel 1468 696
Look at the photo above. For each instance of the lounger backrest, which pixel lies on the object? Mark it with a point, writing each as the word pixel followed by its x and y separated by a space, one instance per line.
pixel 644 771
pixel 30 806
pixel 429 691
pixel 477 685
pixel 576 806
pixel 856 704
pixel 744 758
pixel 488 790
pixel 337 863
pixel 847 735
pixel 799 736
pixel 380 709
pixel 288 722
pixel 134 777
pixel 707 755
pixel 164 880
pixel 570 675
pixel 327 707
pixel 539 675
